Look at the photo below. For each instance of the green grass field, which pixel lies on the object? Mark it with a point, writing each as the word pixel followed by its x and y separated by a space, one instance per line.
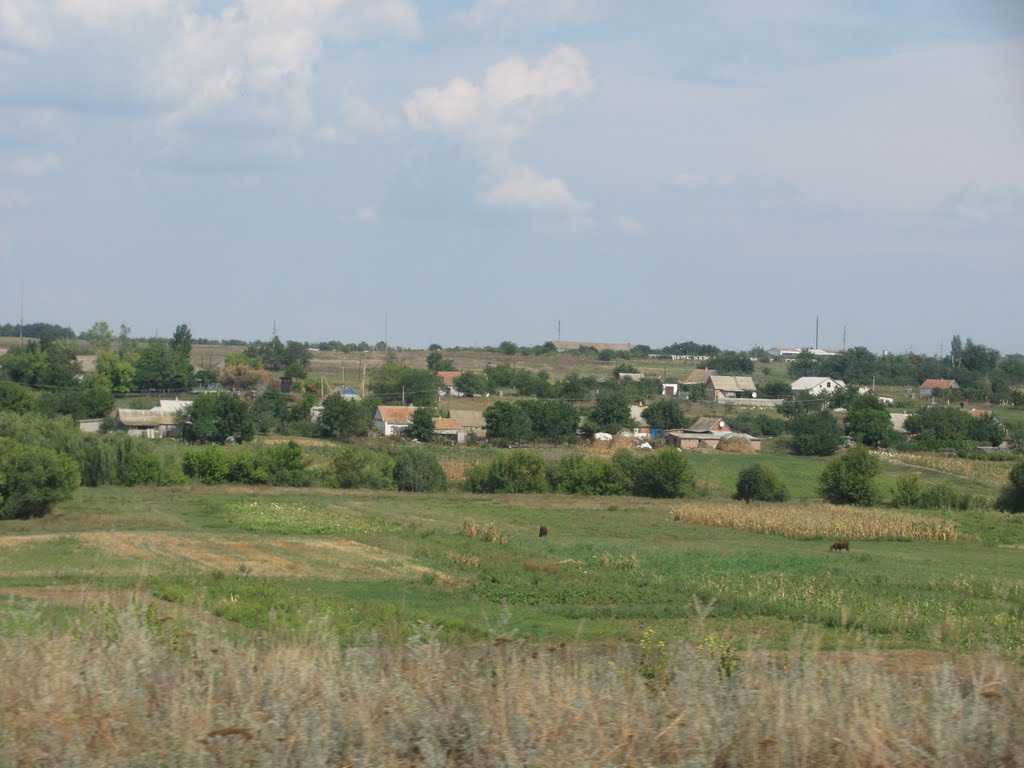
pixel 378 563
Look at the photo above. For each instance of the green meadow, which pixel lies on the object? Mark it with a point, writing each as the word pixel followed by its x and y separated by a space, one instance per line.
pixel 378 565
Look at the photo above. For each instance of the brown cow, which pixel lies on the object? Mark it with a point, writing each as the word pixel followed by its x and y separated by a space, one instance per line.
pixel 543 531
pixel 839 546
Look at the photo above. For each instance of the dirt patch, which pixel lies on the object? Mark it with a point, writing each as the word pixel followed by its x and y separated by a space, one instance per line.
pixel 309 442
pixel 295 557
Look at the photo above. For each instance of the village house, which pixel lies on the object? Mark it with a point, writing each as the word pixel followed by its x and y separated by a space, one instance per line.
pixel 816 385
pixel 161 421
pixel 470 423
pixel 391 420
pixel 937 387
pixel 730 387
pixel 446 383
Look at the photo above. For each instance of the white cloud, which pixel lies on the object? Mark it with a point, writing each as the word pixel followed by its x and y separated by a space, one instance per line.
pixel 366 214
pixel 527 189
pixel 33 165
pixel 102 13
pixel 511 98
pixel 362 116
pixel 20 27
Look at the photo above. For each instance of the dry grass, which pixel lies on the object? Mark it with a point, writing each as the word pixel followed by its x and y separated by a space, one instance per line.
pixel 127 689
pixel 824 521
pixel 488 532
pixel 993 472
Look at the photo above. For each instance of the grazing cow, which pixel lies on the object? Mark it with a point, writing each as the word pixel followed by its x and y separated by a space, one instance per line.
pixel 543 531
pixel 840 545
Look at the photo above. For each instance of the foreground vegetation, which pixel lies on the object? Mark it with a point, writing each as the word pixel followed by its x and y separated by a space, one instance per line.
pixel 137 686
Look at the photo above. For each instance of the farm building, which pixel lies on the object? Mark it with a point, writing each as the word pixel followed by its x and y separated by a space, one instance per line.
pixel 160 421
pixel 699 376
pixel 470 422
pixel 390 420
pixel 446 383
pixel 937 387
pixel 449 429
pixel 730 387
pixel 816 385
pixel 709 434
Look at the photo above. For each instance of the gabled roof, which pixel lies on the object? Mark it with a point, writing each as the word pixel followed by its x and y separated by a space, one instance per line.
pixel 135 417
pixel 708 424
pixel 699 376
pixel 733 383
pixel 810 382
pixel 442 424
pixel 940 384
pixel 471 419
pixel 448 377
pixel 395 414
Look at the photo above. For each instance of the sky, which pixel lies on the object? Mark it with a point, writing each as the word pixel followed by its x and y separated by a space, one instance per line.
pixel 461 173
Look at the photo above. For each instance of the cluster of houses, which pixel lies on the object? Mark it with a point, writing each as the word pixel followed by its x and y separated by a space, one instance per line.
pixel 704 433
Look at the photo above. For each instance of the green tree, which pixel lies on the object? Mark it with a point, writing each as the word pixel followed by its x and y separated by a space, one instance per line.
pixel 90 399
pixel 418 470
pixel 421 427
pixel 552 420
pixel 160 367
pixel 850 478
pixel 343 417
pixel 868 422
pixel 438 362
pixel 1011 497
pixel 181 342
pixel 507 423
pixel 665 414
pixel 815 434
pixel 16 397
pixel 804 364
pixel 760 483
pixel 217 418
pixel 33 479
pixel 508 348
pixel 118 369
pixel 610 412
pixel 401 385
pixel 99 336
pixel 471 383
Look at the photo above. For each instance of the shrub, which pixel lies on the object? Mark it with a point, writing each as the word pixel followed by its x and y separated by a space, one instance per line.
pixel 359 468
pixel 33 479
pixel 665 474
pixel 511 472
pixel 850 478
pixel 419 470
pixel 207 465
pixel 590 476
pixel 944 497
pixel 760 483
pixel 1011 497
pixel 284 465
pixel 908 491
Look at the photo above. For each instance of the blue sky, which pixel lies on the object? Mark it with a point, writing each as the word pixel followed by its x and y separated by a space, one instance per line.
pixel 468 172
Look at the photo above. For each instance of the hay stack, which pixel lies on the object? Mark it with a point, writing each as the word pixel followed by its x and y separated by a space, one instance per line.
pixel 736 443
